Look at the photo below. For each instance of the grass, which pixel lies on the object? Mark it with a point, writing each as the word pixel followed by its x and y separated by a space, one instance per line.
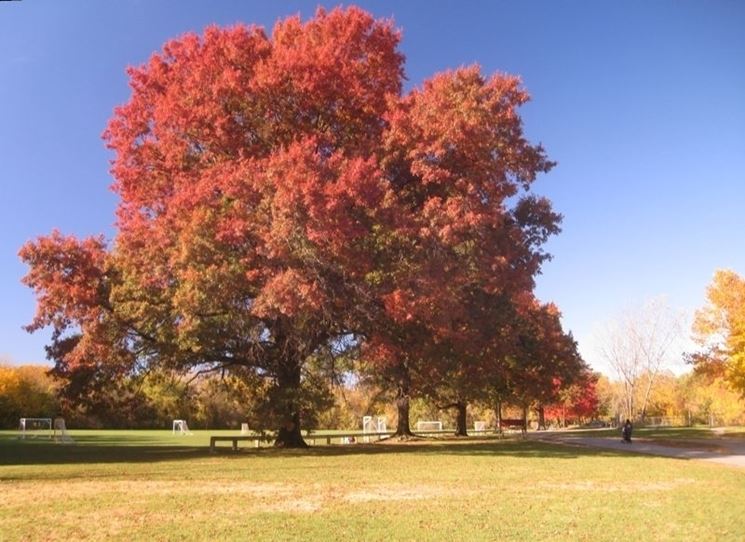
pixel 667 433
pixel 135 485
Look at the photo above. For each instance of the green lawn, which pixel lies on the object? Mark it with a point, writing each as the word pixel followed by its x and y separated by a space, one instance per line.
pixel 136 485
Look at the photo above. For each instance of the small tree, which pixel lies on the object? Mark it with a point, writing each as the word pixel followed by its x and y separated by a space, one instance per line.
pixel 578 402
pixel 547 360
pixel 719 330
pixel 641 341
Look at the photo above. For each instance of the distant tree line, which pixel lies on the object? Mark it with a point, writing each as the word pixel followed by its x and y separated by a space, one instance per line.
pixel 26 391
pixel 150 401
pixel 225 401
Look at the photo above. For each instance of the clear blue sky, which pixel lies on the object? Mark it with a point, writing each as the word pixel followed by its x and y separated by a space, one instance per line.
pixel 641 103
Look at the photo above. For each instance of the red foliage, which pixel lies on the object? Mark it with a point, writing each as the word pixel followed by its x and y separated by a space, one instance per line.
pixel 66 275
pixel 577 402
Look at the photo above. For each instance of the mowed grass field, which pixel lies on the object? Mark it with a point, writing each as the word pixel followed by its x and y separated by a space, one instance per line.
pixel 151 485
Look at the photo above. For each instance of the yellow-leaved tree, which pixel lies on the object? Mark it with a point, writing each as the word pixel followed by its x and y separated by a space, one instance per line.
pixel 719 330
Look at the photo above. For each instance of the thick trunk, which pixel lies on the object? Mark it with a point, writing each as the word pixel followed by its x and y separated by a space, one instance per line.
pixel 541 418
pixel 402 426
pixel 289 435
pixel 402 407
pixel 460 420
pixel 288 382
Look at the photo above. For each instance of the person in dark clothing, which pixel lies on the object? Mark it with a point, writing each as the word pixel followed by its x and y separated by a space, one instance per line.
pixel 626 431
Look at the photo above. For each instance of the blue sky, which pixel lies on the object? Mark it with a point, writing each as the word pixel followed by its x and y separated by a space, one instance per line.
pixel 642 104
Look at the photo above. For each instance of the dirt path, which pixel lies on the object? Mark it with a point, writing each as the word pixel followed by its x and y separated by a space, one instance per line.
pixel 722 451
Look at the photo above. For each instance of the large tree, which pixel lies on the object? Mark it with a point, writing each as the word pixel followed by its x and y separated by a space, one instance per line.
pixel 250 192
pixel 279 197
pixel 461 169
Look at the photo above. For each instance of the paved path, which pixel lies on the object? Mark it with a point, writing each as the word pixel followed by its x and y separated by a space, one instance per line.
pixel 723 451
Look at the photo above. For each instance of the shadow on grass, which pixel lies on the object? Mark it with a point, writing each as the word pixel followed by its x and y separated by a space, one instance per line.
pixel 49 453
pixel 494 448
pixel 143 449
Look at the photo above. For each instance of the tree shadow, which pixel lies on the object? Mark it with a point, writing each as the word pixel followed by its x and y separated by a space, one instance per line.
pixel 139 448
pixel 465 447
pixel 57 454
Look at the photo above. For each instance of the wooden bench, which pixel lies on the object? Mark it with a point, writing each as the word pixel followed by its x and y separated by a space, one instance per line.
pixel 513 423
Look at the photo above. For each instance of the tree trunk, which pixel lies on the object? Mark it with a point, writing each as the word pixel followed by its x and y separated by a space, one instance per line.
pixel 289 435
pixel 629 389
pixel 460 420
pixel 541 418
pixel 647 393
pixel 288 384
pixel 402 406
pixel 498 415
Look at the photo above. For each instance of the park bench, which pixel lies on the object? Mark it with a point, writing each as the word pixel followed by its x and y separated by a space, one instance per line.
pixel 236 438
pixel 513 423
